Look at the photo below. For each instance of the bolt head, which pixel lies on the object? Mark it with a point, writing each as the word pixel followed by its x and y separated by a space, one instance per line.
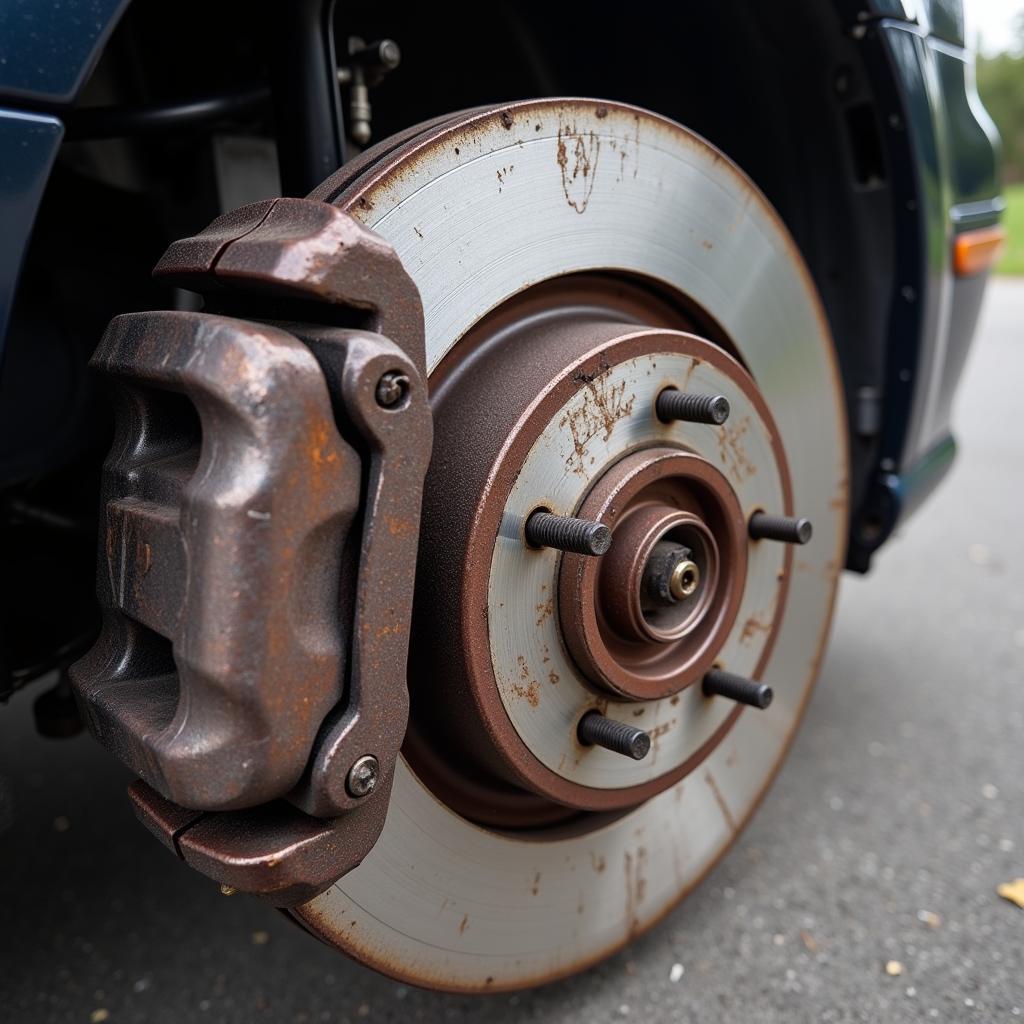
pixel 392 389
pixel 362 776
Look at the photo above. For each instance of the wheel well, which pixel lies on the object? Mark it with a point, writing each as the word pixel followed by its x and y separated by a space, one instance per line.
pixel 787 98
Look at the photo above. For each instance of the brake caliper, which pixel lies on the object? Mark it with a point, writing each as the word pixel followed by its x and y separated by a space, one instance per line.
pixel 261 509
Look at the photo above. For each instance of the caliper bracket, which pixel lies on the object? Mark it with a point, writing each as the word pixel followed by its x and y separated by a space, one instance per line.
pixel 262 505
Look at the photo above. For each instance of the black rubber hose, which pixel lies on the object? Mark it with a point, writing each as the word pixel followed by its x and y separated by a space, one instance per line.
pixel 121 122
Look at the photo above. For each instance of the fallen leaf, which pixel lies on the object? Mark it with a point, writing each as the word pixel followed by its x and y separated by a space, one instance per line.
pixel 930 918
pixel 894 968
pixel 809 941
pixel 1013 891
pixel 98 1016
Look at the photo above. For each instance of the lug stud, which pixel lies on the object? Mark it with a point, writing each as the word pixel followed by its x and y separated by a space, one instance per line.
pixel 546 530
pixel 596 730
pixel 787 529
pixel 738 688
pixel 673 404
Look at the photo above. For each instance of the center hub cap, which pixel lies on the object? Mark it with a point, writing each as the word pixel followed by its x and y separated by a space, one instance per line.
pixel 515 643
pixel 647 620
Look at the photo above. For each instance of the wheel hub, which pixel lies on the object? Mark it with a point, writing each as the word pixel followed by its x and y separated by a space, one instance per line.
pixel 675 518
pixel 557 390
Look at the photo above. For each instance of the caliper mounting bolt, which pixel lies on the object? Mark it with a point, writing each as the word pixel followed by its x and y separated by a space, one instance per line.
pixel 673 404
pixel 720 683
pixel 787 529
pixel 581 536
pixel 596 730
pixel 362 776
pixel 392 389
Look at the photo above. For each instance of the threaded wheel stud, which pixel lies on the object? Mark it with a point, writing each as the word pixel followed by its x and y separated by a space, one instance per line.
pixel 581 536
pixel 718 682
pixel 596 730
pixel 673 404
pixel 787 529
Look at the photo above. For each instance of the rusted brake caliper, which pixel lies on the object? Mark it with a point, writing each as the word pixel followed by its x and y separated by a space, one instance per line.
pixel 262 504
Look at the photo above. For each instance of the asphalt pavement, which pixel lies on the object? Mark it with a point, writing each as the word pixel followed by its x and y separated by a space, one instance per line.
pixel 864 890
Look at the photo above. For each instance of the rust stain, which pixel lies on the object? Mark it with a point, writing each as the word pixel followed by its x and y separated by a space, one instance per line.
pixel 694 363
pixel 553 678
pixel 731 450
pixel 659 730
pixel 399 527
pixel 628 149
pixel 545 610
pixel 720 800
pixel 464 923
pixel 752 627
pixel 577 160
pixel 535 887
pixel 524 669
pixel 507 120
pixel 604 404
pixel 531 693
pixel 322 439
pixel 597 862
pixel 636 886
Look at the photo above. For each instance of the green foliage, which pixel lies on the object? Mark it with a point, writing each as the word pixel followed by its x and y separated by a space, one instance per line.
pixel 1001 86
pixel 1012 261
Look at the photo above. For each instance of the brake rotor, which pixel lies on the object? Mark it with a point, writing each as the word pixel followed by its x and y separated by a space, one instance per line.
pixel 575 260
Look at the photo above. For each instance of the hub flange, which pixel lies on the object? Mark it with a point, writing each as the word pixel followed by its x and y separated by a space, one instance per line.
pixel 558 391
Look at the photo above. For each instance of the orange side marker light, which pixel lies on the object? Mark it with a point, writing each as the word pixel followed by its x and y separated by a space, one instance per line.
pixel 975 251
